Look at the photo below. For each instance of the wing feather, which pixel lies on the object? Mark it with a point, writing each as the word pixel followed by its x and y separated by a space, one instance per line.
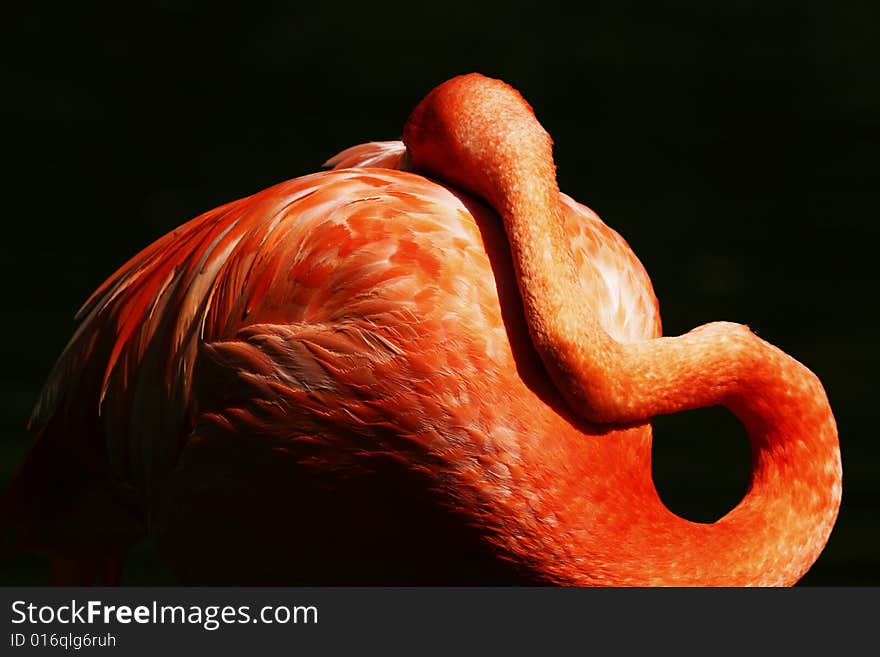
pixel 381 154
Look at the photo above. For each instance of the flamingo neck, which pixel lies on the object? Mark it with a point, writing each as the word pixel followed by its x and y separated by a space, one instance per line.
pixel 480 135
pixel 594 516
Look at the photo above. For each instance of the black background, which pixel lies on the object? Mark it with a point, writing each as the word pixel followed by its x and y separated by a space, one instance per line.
pixel 734 145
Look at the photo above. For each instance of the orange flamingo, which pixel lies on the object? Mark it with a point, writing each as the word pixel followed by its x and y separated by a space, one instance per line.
pixel 366 375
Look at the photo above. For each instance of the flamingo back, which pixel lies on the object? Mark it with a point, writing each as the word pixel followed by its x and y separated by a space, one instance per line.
pixel 383 246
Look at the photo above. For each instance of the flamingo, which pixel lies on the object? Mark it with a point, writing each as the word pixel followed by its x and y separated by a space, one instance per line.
pixel 423 365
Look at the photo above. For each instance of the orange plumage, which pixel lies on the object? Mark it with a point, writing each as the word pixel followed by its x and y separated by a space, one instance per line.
pixel 368 376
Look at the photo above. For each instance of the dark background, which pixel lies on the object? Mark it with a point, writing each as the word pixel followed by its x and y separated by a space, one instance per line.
pixel 734 145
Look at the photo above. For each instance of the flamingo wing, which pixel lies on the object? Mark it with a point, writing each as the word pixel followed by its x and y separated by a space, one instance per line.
pixel 318 248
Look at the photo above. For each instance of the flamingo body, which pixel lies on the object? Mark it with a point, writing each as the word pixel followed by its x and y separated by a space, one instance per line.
pixel 333 381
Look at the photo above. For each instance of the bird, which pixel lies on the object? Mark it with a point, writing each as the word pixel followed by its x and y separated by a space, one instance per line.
pixel 423 365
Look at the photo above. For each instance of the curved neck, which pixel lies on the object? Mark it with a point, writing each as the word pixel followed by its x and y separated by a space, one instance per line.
pixel 479 134
pixel 609 526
